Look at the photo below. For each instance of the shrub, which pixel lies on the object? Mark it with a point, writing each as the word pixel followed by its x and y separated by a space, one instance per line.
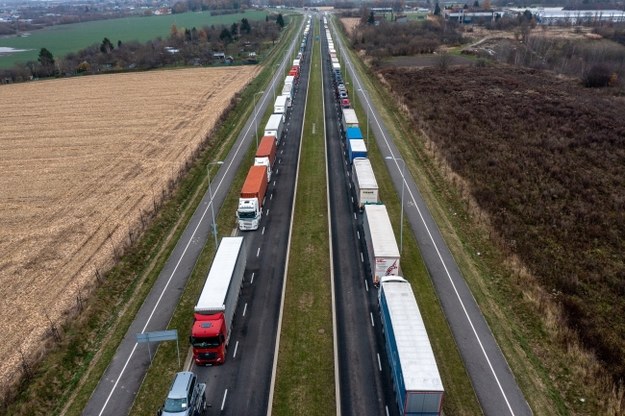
pixel 598 76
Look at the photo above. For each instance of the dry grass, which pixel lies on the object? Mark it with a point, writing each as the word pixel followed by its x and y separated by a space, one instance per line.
pixel 84 163
pixel 350 23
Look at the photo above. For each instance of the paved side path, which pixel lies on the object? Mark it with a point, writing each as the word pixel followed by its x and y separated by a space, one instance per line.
pixel 494 383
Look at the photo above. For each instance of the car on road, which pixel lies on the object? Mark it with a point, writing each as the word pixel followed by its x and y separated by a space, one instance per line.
pixel 186 396
pixel 342 95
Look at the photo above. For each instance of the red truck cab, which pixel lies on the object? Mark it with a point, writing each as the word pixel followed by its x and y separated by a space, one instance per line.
pixel 208 338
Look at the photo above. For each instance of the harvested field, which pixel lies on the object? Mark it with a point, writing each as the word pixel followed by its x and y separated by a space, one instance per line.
pixel 84 161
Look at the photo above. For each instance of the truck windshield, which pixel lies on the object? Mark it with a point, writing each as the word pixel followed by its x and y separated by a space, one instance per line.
pixel 175 405
pixel 205 342
pixel 247 215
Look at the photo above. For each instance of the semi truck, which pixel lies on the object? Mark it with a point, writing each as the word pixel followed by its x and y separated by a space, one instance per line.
pixel 364 182
pixel 381 245
pixel 356 148
pixel 289 79
pixel 418 387
pixel 251 198
pixel 275 126
pixel 287 90
pixel 280 105
pixel 266 154
pixel 349 118
pixel 214 310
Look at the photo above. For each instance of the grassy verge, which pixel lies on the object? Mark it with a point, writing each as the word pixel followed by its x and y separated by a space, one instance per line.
pixel 516 324
pixel 305 375
pixel 62 382
pixel 460 398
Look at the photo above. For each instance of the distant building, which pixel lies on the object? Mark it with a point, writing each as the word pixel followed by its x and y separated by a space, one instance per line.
pixel 556 15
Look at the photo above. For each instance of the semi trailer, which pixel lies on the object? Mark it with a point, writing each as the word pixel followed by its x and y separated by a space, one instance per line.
pixel 266 154
pixel 382 248
pixel 418 386
pixel 214 310
pixel 364 182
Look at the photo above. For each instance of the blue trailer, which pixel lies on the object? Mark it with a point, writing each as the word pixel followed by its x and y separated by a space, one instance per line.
pixel 356 149
pixel 418 386
pixel 353 133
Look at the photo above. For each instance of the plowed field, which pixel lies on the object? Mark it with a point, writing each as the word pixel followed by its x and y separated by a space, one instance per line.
pixel 81 159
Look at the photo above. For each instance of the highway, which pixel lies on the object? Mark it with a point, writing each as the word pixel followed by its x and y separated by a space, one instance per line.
pixel 365 384
pixel 116 390
pixel 492 379
pixel 241 386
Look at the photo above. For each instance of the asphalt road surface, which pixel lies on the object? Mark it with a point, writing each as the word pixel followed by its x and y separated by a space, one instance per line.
pixel 241 386
pixel 492 379
pixel 116 390
pixel 364 378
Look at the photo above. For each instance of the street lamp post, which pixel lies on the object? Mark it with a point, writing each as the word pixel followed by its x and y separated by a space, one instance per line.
pixel 256 115
pixel 403 181
pixel 364 93
pixel 275 82
pixel 210 194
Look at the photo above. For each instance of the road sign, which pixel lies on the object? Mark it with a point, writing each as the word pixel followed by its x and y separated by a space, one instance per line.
pixel 159 336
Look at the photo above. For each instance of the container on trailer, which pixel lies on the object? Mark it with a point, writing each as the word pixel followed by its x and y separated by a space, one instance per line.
pixel 214 310
pixel 296 62
pixel 418 386
pixel 356 148
pixel 364 182
pixel 287 89
pixel 336 66
pixel 289 80
pixel 349 118
pixel 275 126
pixel 381 245
pixel 266 154
pixel 353 133
pixel 251 199
pixel 280 105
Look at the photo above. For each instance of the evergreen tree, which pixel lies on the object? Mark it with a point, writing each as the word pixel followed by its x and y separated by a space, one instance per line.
pixel 371 19
pixel 46 59
pixel 280 20
pixel 106 46
pixel 437 10
pixel 245 26
pixel 225 35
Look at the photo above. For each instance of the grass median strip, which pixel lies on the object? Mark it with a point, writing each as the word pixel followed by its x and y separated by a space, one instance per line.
pixel 305 374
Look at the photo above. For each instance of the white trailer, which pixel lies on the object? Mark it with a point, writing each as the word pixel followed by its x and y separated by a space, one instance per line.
pixel 418 385
pixel 280 105
pixel 289 80
pixel 221 289
pixel 381 245
pixel 288 91
pixel 364 182
pixel 349 118
pixel 274 126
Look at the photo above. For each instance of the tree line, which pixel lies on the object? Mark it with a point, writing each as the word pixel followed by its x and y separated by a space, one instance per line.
pixel 183 47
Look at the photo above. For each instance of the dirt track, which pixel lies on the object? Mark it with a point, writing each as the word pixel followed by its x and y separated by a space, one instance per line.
pixel 81 159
